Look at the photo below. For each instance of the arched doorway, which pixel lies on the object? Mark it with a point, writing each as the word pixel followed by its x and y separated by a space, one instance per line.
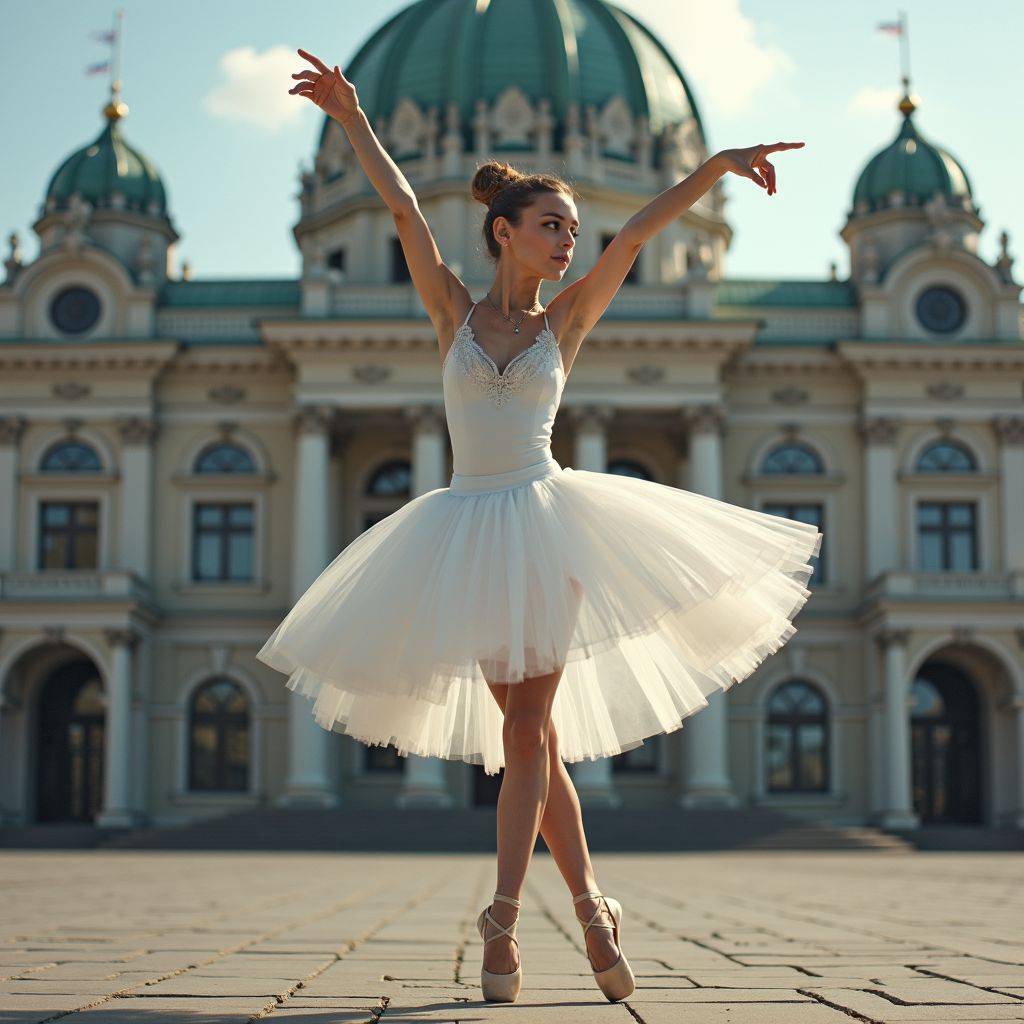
pixel 945 730
pixel 70 749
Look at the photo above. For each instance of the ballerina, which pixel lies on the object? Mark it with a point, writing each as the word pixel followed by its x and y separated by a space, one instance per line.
pixel 595 610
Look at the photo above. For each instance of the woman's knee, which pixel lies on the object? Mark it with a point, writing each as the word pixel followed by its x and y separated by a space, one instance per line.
pixel 528 734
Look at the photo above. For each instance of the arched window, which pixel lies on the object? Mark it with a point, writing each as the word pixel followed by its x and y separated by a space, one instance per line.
pixel 225 458
pixel 797 740
pixel 71 457
pixel 629 467
pixel 387 490
pixel 946 457
pixel 219 738
pixel 792 458
pixel 392 480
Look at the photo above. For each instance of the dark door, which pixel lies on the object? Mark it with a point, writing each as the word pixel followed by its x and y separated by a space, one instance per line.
pixel 946 745
pixel 71 727
pixel 486 787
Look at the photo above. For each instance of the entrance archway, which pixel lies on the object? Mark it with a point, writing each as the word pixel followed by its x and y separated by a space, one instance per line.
pixel 71 720
pixel 945 731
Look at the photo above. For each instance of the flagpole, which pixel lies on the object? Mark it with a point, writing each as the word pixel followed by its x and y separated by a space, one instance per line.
pixel 115 64
pixel 905 49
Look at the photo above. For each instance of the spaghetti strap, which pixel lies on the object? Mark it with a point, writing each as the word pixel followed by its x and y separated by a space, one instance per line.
pixel 470 313
pixel 547 326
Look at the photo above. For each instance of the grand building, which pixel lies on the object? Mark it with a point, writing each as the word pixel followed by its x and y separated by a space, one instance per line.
pixel 179 459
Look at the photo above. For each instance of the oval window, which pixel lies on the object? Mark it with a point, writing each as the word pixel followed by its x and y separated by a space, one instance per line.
pixel 941 310
pixel 75 310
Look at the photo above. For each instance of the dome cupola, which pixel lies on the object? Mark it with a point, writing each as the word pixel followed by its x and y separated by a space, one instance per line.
pixel 109 173
pixel 909 171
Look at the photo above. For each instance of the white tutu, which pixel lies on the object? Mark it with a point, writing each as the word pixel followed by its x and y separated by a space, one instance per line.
pixel 650 597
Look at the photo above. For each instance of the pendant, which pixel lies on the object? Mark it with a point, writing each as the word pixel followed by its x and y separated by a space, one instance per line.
pixel 515 330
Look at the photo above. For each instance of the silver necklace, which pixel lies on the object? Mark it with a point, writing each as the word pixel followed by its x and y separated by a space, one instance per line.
pixel 515 323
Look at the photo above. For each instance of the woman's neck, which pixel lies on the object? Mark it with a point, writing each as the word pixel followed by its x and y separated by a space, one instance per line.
pixel 512 291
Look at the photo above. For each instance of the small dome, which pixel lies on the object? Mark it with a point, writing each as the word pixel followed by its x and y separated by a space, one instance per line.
pixel 107 168
pixel 914 167
pixel 444 52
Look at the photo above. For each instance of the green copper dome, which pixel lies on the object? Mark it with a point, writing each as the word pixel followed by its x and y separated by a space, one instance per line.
pixel 913 166
pixel 109 167
pixel 445 52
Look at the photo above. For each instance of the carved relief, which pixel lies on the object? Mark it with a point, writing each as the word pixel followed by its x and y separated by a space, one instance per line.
pixel 645 375
pixel 407 127
pixel 71 391
pixel 790 396
pixel 879 430
pixel 226 394
pixel 11 429
pixel 707 420
pixel 617 127
pixel 313 419
pixel 371 374
pixel 1009 430
pixel 946 392
pixel 135 431
pixel 512 118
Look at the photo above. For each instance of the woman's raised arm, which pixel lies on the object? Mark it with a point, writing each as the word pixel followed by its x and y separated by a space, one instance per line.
pixel 445 297
pixel 582 304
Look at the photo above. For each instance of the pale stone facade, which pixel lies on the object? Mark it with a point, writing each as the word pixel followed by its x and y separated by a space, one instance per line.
pixel 177 471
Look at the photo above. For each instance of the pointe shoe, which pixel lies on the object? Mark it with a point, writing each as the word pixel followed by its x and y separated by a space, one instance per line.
pixel 500 988
pixel 617 982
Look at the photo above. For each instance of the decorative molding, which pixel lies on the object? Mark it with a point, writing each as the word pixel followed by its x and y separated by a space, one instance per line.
pixel 53 635
pixel 790 396
pixel 708 419
pixel 426 419
pixel 879 430
pixel 963 635
pixel 11 429
pixel 646 375
pixel 591 419
pixel 371 373
pixel 945 391
pixel 71 391
pixel 313 419
pixel 121 638
pixel 1009 430
pixel 227 394
pixel 893 638
pixel 136 431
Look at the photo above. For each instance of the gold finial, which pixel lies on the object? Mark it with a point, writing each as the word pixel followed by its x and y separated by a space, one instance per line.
pixel 907 104
pixel 115 109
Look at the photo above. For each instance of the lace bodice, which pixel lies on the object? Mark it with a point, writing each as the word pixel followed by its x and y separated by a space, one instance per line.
pixel 501 422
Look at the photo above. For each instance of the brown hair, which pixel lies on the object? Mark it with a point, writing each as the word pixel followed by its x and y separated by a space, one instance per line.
pixel 506 192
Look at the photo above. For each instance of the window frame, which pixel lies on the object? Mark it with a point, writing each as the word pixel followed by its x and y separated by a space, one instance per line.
pixel 793 723
pixel 190 725
pixel 60 491
pixel 225 443
pixel 379 505
pixel 945 531
pixel 226 531
pixel 66 442
pixel 222 495
pixel 779 446
pixel 42 532
pixel 936 488
pixel 825 555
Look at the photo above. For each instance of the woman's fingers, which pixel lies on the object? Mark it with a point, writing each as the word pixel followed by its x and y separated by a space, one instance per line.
pixel 310 76
pixel 769 175
pixel 781 146
pixel 315 61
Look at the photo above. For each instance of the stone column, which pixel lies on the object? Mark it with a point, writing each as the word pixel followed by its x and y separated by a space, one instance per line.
pixel 706 734
pixel 135 536
pixel 117 810
pixel 1011 490
pixel 11 428
pixel 1017 705
pixel 308 783
pixel 898 811
pixel 881 509
pixel 593 779
pixel 425 784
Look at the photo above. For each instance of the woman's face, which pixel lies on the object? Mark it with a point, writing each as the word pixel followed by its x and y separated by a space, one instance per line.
pixel 543 240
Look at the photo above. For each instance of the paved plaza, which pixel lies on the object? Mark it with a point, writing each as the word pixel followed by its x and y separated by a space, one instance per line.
pixel 776 938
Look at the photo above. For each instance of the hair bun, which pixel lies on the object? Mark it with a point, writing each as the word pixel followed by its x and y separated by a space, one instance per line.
pixel 491 179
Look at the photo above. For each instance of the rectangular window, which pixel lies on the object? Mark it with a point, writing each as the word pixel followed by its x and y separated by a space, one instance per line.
pixel 222 542
pixel 946 537
pixel 68 535
pixel 631 276
pixel 813 514
pixel 336 259
pixel 399 266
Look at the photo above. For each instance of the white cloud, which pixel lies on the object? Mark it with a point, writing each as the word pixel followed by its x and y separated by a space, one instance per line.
pixel 717 48
pixel 870 100
pixel 255 88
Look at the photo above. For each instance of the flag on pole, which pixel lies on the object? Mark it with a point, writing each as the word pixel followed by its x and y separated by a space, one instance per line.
pixel 104 37
pixel 102 68
pixel 891 28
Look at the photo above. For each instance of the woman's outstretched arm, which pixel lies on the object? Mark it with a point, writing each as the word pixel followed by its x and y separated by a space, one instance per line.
pixel 445 297
pixel 582 304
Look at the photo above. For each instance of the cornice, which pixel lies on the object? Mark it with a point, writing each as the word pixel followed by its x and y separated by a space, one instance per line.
pixel 893 355
pixel 146 356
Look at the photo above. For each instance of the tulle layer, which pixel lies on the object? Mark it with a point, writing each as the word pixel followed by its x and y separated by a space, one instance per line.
pixel 650 597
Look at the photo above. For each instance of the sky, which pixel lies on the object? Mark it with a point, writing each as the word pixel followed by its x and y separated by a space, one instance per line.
pixel 206 83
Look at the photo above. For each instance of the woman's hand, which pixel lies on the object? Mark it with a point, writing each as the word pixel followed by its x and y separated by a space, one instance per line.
pixel 753 163
pixel 330 90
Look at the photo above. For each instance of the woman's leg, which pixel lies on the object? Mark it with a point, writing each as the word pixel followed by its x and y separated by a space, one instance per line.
pixel 524 793
pixel 561 825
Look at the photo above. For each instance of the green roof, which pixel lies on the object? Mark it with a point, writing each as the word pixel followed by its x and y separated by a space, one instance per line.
pixel 442 52
pixel 911 165
pixel 785 293
pixel 191 294
pixel 108 166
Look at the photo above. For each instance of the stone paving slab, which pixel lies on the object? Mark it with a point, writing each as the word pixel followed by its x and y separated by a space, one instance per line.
pixel 134 937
